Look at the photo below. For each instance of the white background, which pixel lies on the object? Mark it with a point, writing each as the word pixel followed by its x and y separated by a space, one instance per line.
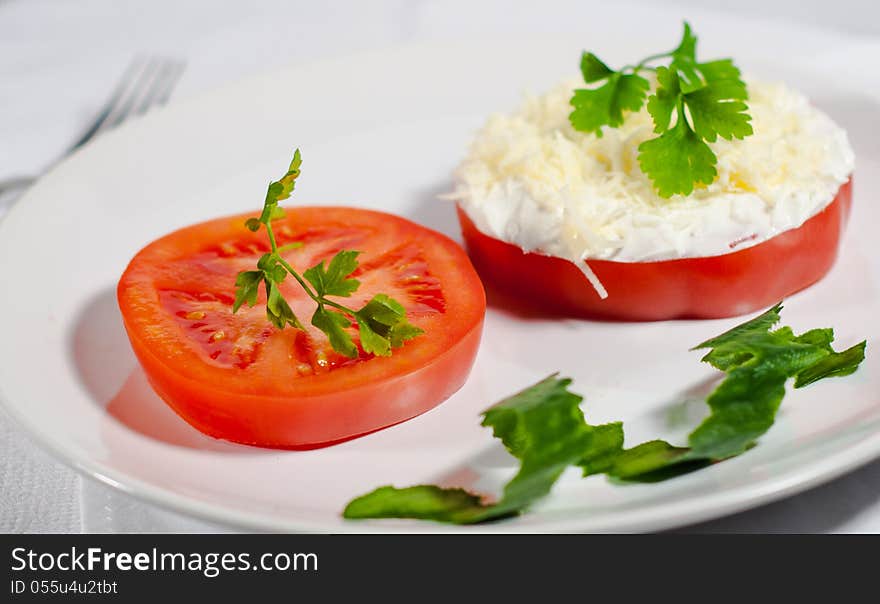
pixel 59 60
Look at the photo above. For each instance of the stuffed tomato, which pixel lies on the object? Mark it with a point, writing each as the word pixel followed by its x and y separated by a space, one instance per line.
pixel 567 221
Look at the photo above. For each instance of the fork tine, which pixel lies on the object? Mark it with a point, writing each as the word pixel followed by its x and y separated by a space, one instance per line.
pixel 128 102
pixel 160 89
pixel 146 82
pixel 119 94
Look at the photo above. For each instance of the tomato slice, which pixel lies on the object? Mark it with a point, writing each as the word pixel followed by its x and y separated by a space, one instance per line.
pixel 238 378
pixel 710 287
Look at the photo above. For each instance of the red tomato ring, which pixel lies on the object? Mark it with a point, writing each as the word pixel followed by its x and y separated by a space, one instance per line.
pixel 708 287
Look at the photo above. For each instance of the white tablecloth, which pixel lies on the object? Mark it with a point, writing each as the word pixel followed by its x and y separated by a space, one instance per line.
pixel 60 58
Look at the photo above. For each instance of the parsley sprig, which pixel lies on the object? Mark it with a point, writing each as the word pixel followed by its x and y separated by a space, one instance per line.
pixel 693 104
pixel 544 428
pixel 382 323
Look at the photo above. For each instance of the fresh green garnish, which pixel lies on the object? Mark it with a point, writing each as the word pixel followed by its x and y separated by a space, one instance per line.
pixel 706 100
pixel 544 428
pixel 381 322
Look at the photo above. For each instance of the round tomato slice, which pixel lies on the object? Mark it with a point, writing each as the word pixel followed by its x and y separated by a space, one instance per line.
pixel 709 287
pixel 236 377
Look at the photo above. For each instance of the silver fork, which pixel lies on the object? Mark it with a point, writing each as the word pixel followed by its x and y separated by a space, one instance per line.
pixel 146 83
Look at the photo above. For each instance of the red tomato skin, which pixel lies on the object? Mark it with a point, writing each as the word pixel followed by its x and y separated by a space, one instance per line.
pixel 711 287
pixel 314 411
pixel 312 420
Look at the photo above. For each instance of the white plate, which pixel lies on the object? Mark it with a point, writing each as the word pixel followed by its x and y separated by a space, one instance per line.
pixel 384 130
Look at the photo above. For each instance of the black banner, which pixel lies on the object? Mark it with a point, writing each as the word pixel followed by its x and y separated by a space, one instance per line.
pixel 130 568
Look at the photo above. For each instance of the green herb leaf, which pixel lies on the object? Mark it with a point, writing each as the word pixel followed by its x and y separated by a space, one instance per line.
pixel 371 342
pixel 383 325
pixel 333 280
pixel 645 459
pixel 604 106
pixel 334 325
pixel 663 102
pixel 382 322
pixel 712 92
pixel 758 362
pixel 836 364
pixel 544 428
pixel 677 160
pixel 684 61
pixel 247 287
pixel 716 112
pixel 593 69
pixel 278 310
pixel 403 331
pixel 426 502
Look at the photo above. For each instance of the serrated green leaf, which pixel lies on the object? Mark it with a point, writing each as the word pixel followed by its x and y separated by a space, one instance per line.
pixel 723 70
pixel 333 280
pixel 278 310
pixel 687 47
pixel 280 190
pixel 402 331
pixel 836 364
pixel 384 310
pixel 593 69
pixel 266 261
pixel 684 61
pixel 371 342
pixel 758 363
pixel 676 160
pixel 386 318
pixel 663 102
pixel 542 426
pixel 757 325
pixel 247 287
pixel 334 324
pixel 714 112
pixel 272 269
pixel 288 181
pixel 604 106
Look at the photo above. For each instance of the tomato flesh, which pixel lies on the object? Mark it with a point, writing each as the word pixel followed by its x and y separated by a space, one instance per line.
pixel 236 377
pixel 727 285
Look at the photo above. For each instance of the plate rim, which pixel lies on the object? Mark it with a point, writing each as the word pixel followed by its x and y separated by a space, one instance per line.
pixel 665 516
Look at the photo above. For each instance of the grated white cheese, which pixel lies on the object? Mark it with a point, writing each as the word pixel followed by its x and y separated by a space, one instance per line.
pixel 531 179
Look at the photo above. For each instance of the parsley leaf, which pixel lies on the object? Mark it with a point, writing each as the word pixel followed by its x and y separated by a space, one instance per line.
pixel 424 502
pixel 604 106
pixel 837 364
pixel 333 280
pixel 716 112
pixel 278 311
pixel 334 324
pixel 593 69
pixel 382 322
pixel 247 287
pixel 758 362
pixel 382 325
pixel 544 427
pixel 706 100
pixel 677 160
